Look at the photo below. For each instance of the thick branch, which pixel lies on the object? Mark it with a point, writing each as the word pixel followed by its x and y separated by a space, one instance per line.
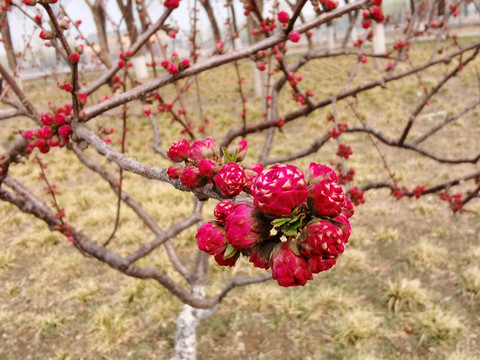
pixel 135 166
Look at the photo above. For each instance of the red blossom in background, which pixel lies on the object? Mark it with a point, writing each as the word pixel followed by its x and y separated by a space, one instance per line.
pixel 419 190
pixel 344 151
pixel 399 193
pixel 356 196
pixel 74 57
pixel 283 17
pixel 294 37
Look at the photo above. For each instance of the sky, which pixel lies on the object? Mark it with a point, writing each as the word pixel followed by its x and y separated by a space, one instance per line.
pixel 77 9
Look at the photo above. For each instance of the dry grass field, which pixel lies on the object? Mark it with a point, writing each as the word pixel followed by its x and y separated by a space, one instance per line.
pixel 407 286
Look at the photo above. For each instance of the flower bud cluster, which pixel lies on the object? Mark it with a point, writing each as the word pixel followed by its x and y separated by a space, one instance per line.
pixel 55 132
pixel 297 225
pixel 201 163
pixel 175 65
pixel 373 13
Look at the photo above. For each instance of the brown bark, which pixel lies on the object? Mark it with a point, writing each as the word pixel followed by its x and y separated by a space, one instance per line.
pixel 127 12
pixel 211 17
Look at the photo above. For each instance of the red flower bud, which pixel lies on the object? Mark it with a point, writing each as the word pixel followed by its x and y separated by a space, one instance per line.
pixel 326 198
pixel 289 269
pixel 294 37
pixel 191 177
pixel 279 190
pixel 322 238
pixel 74 57
pixel 222 210
pixel 211 239
pixel 175 170
pixel 283 17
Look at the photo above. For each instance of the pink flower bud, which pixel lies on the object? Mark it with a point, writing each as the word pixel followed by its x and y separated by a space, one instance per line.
pixel 279 190
pixel 283 17
pixel 207 168
pixel 230 180
pixel 242 147
pixel 222 210
pixel 59 119
pixel 46 35
pixel 240 228
pixel 185 63
pixel 226 262
pixel 347 209
pixel 74 57
pixel 178 151
pixel 258 261
pixel 67 87
pixel 294 37
pixel 203 149
pixel 210 239
pixel 64 131
pixel 171 4
pixel 175 170
pixel 318 264
pixel 347 229
pixel 46 119
pixel 366 24
pixel 318 172
pixel 82 98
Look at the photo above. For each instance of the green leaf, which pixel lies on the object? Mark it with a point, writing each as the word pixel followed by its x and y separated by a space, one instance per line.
pixel 234 156
pixel 226 156
pixel 230 251
pixel 291 228
pixel 280 221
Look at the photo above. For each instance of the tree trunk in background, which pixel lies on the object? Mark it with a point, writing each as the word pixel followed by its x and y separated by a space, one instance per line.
pixel 98 12
pixel 259 77
pixel 187 323
pixel 127 12
pixel 7 41
pixel 211 17
pixel 330 36
pixel 379 39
